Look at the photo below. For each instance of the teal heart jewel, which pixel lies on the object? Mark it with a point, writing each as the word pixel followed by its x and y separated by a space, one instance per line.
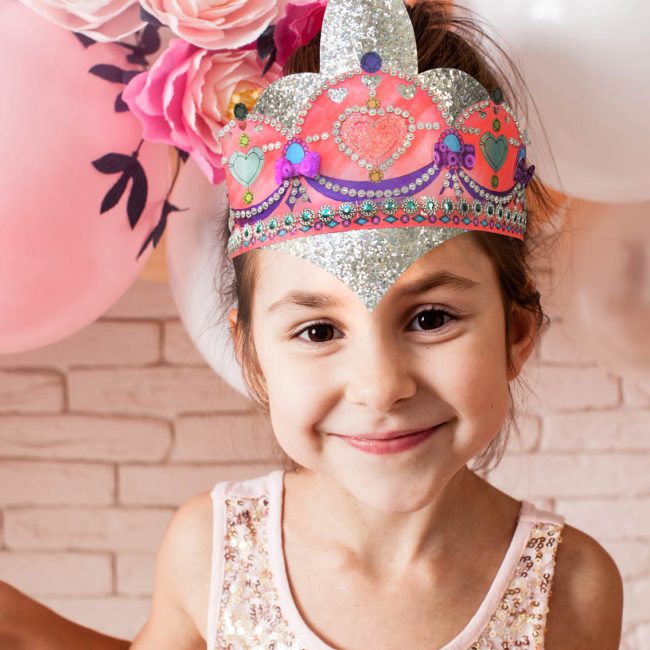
pixel 245 168
pixel 495 150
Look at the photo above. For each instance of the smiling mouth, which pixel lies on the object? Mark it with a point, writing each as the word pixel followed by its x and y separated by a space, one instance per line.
pixel 392 435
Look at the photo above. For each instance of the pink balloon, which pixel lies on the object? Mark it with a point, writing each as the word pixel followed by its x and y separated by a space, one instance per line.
pixel 62 263
pixel 608 300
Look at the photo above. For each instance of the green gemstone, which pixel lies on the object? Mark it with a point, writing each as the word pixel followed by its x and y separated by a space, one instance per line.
pixel 494 181
pixel 496 125
pixel 448 205
pixel 389 206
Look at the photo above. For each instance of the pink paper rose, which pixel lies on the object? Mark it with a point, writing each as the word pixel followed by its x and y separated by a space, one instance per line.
pixel 215 24
pixel 188 95
pixel 101 20
pixel 297 27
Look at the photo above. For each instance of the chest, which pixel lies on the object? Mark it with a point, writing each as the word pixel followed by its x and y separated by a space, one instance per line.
pixel 353 613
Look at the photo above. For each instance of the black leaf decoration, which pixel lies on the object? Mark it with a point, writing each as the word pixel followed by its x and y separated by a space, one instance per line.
pixel 265 42
pixel 112 73
pixel 266 47
pixel 184 155
pixel 146 16
pixel 129 74
pixel 159 229
pixel 270 62
pixel 86 41
pixel 115 193
pixel 111 163
pixel 138 196
pixel 150 39
pixel 120 105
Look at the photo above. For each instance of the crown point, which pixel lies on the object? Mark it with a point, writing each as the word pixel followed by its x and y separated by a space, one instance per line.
pixel 371 62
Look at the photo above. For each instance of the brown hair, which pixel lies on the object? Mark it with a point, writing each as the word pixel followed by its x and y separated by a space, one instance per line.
pixel 444 40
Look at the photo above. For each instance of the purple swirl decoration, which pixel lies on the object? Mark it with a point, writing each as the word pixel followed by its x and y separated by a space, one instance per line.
pixel 443 156
pixel 523 174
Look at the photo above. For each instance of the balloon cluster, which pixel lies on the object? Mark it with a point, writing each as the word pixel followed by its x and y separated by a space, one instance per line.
pixel 88 170
pixel 88 175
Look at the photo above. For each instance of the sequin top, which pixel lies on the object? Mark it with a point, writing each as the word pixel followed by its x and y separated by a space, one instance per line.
pixel 251 606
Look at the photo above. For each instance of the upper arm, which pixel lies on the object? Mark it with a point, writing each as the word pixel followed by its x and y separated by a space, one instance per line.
pixel 181 582
pixel 586 605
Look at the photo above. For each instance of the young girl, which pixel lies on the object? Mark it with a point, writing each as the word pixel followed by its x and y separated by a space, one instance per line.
pixel 383 357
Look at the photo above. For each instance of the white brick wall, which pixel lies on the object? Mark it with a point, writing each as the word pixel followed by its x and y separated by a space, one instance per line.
pixel 104 434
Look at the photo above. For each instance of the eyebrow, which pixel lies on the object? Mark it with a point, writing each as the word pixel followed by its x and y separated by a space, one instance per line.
pixel 312 300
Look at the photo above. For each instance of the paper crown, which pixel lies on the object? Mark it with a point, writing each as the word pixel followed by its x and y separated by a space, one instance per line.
pixel 366 166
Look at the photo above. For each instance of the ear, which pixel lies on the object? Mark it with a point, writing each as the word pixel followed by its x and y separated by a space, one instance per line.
pixel 523 339
pixel 232 318
pixel 234 332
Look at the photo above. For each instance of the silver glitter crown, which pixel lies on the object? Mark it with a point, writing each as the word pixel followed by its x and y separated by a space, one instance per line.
pixel 368 261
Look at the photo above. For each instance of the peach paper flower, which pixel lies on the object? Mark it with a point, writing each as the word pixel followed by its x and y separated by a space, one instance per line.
pixel 189 93
pixel 216 24
pixel 101 20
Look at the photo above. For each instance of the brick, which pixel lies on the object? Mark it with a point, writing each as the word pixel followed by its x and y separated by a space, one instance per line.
pixel 631 556
pixel 145 300
pixel 120 617
pixel 572 475
pixel 615 430
pixel 174 484
pixel 636 598
pixel 230 438
pixel 31 392
pixel 33 482
pixel 609 519
pixel 530 428
pixel 57 574
pixel 161 391
pixel 559 389
pixel 103 343
pixel 178 346
pixel 135 573
pixel 636 393
pixel 84 437
pixel 95 529
pixel 561 344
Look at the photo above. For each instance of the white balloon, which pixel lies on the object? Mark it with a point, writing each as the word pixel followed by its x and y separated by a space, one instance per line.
pixel 587 66
pixel 193 257
pixel 609 292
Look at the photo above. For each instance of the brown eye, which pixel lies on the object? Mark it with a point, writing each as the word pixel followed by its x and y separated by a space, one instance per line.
pixel 316 333
pixel 433 319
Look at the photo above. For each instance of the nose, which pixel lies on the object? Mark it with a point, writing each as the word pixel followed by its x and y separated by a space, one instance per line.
pixel 378 374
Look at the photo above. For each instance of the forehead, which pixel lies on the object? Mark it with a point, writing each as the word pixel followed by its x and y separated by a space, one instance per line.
pixel 279 272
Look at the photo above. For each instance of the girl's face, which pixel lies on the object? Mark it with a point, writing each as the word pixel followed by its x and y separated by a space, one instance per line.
pixel 420 359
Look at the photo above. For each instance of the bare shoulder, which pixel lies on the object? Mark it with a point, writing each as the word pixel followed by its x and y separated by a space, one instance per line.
pixel 182 581
pixel 586 604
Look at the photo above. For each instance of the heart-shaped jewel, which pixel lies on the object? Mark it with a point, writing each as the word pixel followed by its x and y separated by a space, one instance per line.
pixel 370 81
pixel 407 91
pixel 495 150
pixel 337 94
pixel 245 168
pixel 374 138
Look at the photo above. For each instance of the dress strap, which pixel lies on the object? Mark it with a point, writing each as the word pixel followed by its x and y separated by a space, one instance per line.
pixel 216 573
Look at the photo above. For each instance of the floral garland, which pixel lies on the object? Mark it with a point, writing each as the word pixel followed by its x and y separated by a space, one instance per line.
pixel 223 54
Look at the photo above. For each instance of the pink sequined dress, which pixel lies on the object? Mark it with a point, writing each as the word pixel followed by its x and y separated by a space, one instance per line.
pixel 251 606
